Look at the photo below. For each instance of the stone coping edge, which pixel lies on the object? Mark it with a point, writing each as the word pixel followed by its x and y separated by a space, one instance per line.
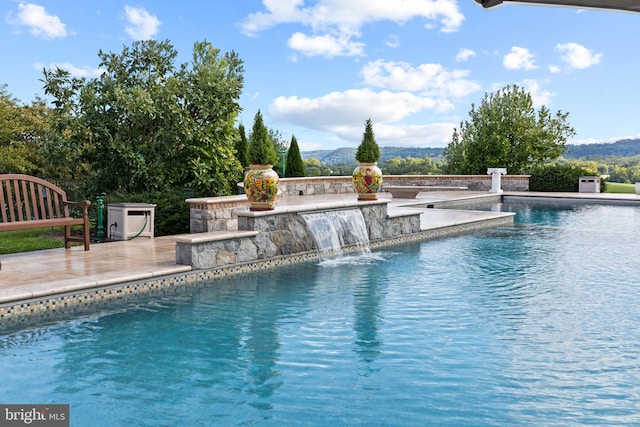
pixel 212 236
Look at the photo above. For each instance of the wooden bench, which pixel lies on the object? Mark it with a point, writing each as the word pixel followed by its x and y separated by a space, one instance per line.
pixel 27 202
pixel 411 191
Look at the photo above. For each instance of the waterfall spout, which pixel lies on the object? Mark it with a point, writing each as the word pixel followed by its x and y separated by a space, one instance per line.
pixel 336 230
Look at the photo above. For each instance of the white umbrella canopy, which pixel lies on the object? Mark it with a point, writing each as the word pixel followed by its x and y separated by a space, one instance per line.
pixel 621 5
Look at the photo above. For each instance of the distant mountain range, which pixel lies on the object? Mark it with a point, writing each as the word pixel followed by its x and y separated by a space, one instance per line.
pixel 348 155
pixel 622 148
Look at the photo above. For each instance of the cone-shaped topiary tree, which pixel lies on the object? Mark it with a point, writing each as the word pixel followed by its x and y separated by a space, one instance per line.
pixel 294 166
pixel 242 147
pixel 368 150
pixel 261 150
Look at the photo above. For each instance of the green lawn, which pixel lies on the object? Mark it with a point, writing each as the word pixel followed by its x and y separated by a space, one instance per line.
pixel 28 240
pixel 618 187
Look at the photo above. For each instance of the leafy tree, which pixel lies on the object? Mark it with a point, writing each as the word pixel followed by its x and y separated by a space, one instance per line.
pixel 341 169
pixel 368 150
pixel 242 147
pixel 22 128
pixel 261 149
pixel 410 166
pixel 294 165
pixel 506 131
pixel 315 167
pixel 146 124
pixel 279 144
pixel 277 139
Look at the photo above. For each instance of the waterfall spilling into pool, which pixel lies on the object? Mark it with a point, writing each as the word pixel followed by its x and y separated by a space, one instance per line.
pixel 334 231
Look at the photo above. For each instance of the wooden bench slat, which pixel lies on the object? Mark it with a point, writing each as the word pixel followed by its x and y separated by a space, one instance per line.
pixel 34 204
pixel 3 210
pixel 10 201
pixel 24 196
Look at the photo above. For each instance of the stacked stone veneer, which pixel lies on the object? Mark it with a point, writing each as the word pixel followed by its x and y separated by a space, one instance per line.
pixel 215 213
pixel 282 232
pixel 343 184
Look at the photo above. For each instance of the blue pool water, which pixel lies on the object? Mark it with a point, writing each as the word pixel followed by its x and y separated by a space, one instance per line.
pixel 532 324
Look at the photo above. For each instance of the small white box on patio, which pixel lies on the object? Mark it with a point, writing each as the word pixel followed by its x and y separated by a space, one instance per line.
pixel 589 184
pixel 129 220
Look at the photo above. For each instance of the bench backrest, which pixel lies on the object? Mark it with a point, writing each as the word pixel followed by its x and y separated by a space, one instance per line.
pixel 27 198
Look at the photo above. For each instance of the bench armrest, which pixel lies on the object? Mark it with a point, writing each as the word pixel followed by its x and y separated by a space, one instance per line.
pixel 83 204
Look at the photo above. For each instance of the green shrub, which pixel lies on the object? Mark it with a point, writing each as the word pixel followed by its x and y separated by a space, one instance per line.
pixel 558 178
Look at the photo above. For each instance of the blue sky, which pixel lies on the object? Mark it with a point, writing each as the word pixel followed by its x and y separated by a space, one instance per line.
pixel 318 69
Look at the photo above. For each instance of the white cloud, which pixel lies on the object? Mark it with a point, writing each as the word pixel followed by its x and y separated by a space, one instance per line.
pixel 141 24
pixel 554 69
pixel 577 56
pixel 538 96
pixel 463 55
pixel 325 45
pixel 392 135
pixel 39 22
pixel 343 19
pixel 429 79
pixel 519 59
pixel 392 41
pixel 84 71
pixel 389 135
pixel 336 110
pixel 278 12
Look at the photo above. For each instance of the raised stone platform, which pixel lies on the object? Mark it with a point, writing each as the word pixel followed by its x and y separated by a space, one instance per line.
pixel 280 232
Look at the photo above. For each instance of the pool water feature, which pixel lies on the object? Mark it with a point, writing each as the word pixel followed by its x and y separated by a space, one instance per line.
pixel 530 324
pixel 335 230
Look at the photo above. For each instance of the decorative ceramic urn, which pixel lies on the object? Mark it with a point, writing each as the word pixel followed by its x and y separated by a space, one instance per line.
pixel 367 180
pixel 261 187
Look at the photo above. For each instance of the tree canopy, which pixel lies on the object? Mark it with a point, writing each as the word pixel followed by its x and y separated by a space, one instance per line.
pixel 242 147
pixel 22 128
pixel 506 131
pixel 146 124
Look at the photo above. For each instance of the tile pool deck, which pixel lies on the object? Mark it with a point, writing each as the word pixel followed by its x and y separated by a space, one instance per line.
pixel 48 273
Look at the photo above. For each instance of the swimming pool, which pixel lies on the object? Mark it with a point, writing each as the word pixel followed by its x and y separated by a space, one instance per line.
pixel 531 324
